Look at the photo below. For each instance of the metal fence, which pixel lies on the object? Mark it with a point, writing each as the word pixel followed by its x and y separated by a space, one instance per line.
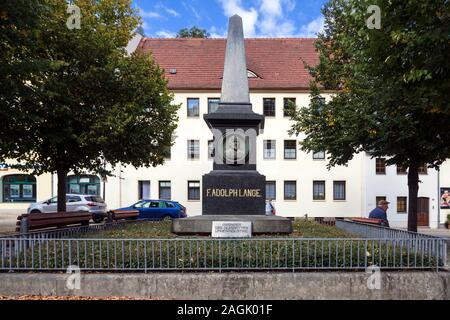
pixel 70 232
pixel 374 231
pixel 207 254
pixel 56 250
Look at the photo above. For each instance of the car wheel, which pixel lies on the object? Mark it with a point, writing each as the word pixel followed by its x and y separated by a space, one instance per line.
pixel 35 211
pixel 167 218
pixel 98 219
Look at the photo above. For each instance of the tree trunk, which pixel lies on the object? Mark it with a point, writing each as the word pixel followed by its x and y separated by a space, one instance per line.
pixel 413 188
pixel 62 177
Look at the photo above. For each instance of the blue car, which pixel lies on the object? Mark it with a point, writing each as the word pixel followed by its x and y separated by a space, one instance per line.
pixel 158 210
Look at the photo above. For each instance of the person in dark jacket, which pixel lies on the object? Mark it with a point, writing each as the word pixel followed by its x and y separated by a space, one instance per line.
pixel 380 212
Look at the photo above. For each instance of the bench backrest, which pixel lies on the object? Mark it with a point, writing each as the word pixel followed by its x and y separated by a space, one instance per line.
pixel 124 214
pixel 35 221
pixel 368 220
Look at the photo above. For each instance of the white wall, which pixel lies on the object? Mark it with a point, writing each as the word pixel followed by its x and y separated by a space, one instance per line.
pixel 179 170
pixel 391 185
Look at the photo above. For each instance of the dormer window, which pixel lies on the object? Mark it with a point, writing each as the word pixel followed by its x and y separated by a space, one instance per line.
pixel 251 74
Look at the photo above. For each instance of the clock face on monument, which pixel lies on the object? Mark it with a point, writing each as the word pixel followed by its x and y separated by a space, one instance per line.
pixel 235 147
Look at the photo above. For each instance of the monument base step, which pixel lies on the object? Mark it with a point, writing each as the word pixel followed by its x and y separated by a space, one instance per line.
pixel 261 224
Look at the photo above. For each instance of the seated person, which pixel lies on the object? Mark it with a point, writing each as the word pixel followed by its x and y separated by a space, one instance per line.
pixel 380 212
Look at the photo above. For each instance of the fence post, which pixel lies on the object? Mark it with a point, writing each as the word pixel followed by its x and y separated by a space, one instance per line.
pixel 24 225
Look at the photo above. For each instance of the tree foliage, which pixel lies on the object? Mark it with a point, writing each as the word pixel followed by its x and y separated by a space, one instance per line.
pixel 391 86
pixel 73 99
pixel 193 32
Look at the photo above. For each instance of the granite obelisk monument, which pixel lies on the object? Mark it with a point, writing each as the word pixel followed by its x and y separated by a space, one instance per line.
pixel 234 190
pixel 234 186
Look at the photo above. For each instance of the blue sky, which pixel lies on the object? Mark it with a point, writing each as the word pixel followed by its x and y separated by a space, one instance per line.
pixel 261 18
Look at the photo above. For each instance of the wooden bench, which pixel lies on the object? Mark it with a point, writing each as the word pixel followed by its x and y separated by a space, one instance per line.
pixel 116 215
pixel 378 222
pixel 328 221
pixel 36 221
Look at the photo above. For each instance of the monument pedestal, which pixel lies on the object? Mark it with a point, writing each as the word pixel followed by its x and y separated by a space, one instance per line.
pixel 260 224
pixel 233 192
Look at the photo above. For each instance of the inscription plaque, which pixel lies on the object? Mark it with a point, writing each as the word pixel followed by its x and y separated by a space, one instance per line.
pixel 231 229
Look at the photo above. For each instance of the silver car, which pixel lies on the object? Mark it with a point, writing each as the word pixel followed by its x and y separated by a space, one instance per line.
pixel 74 203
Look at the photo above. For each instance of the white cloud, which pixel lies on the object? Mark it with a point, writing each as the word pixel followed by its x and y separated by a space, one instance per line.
pixel 269 19
pixel 249 17
pixel 311 29
pixel 216 33
pixel 146 27
pixel 170 11
pixel 190 7
pixel 274 22
pixel 165 34
pixel 197 15
pixel 271 7
pixel 290 5
pixel 148 14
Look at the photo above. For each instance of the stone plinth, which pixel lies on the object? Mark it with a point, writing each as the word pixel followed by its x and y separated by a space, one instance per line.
pixel 260 224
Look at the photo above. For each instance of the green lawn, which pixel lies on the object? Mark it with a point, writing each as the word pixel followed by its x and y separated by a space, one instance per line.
pixel 161 229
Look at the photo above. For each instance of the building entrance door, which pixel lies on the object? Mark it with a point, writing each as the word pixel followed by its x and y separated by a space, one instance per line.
pixel 423 212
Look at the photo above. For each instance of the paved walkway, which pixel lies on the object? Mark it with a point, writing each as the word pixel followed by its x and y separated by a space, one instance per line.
pixel 443 233
pixel 8 220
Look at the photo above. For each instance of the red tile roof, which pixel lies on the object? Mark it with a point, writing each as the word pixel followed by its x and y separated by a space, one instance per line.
pixel 278 63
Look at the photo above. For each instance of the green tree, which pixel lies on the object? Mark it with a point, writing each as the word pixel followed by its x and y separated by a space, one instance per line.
pixel 392 87
pixel 82 101
pixel 193 32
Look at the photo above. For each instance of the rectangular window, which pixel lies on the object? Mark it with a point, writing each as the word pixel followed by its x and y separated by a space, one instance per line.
pixel 378 199
pixel 269 107
pixel 193 149
pixel 339 190
pixel 271 190
pixel 290 190
pixel 401 204
pixel 320 155
pixel 318 190
pixel 290 149
pixel 423 169
pixel 193 190
pixel 213 104
pixel 210 149
pixel 14 190
pixel 144 189
pixel 401 170
pixel 380 166
pixel 165 190
pixel 74 188
pixel 92 189
pixel 27 191
pixel 288 105
pixel 193 107
pixel 269 149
